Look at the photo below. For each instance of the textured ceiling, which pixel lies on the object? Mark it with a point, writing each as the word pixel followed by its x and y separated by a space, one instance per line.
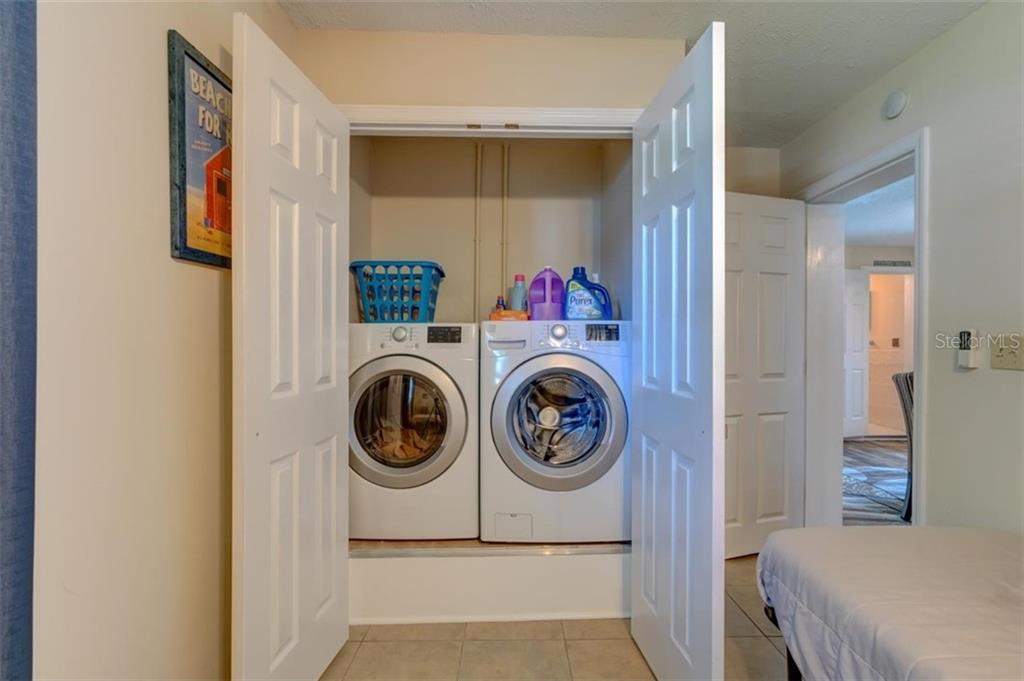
pixel 884 217
pixel 787 63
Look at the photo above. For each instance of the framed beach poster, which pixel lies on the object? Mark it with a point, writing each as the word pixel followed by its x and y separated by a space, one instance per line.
pixel 200 132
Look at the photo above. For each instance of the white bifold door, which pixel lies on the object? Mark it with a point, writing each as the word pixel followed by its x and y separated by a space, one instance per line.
pixel 857 303
pixel 765 267
pixel 677 412
pixel 290 353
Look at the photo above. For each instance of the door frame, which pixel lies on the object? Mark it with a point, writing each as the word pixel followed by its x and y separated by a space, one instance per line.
pixel 490 121
pixel 823 504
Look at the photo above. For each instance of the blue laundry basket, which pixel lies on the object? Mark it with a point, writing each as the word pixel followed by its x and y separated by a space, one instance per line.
pixel 397 290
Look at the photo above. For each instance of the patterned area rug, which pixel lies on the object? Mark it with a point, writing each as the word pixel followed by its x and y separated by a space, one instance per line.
pixel 874 480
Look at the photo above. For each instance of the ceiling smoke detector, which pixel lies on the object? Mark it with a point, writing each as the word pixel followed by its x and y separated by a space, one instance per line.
pixel 894 104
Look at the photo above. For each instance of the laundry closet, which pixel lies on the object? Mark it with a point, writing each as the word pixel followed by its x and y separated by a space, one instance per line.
pixel 634 196
pixel 485 209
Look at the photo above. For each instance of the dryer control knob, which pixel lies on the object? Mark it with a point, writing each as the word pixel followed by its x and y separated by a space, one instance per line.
pixel 559 331
pixel 399 334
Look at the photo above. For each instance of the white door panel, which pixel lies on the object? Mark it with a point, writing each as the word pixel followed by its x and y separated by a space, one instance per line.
pixel 764 368
pixel 678 422
pixel 290 353
pixel 856 303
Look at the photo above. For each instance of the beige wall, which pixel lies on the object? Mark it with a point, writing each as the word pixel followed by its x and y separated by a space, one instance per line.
pixel 395 67
pixel 423 206
pixel 134 403
pixel 966 86
pixel 752 170
pixel 865 256
pixel 554 214
pixel 360 190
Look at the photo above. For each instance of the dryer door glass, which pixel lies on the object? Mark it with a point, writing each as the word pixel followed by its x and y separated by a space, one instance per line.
pixel 401 419
pixel 559 417
pixel 407 421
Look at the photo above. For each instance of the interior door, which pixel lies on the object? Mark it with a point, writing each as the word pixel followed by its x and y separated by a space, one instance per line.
pixel 765 269
pixel 678 417
pixel 290 349
pixel 856 301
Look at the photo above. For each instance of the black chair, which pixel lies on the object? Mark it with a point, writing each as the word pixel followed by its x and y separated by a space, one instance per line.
pixel 905 389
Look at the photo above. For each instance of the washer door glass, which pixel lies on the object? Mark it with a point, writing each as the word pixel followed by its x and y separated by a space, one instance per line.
pixel 559 422
pixel 401 419
pixel 559 417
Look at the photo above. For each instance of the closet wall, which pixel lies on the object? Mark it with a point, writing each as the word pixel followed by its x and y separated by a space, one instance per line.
pixel 359 209
pixel 617 218
pixel 488 209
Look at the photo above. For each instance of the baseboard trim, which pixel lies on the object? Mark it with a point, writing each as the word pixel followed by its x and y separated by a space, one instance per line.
pixel 400 590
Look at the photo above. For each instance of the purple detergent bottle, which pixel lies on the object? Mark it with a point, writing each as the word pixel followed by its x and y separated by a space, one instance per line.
pixel 547 293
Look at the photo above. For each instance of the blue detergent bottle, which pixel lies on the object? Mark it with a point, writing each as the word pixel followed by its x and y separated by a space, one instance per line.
pixel 585 299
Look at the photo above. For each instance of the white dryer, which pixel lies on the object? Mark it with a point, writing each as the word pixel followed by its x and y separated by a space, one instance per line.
pixel 413 444
pixel 553 460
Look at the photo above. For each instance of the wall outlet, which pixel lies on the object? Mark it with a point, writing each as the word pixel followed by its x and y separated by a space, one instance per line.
pixel 1009 353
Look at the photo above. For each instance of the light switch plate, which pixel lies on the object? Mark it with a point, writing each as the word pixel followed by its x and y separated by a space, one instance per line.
pixel 1009 354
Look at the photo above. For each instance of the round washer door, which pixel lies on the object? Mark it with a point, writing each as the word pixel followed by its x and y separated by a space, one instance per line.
pixel 559 422
pixel 407 421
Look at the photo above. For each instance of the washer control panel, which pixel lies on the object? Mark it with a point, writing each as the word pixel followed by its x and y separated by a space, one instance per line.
pixel 408 337
pixel 598 337
pixel 444 334
pixel 603 333
pixel 399 336
pixel 604 337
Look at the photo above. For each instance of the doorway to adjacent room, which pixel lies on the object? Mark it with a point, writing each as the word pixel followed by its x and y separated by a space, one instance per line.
pixel 878 351
pixel 863 344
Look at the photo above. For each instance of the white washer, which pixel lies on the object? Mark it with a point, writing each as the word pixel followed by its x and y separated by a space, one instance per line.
pixel 553 458
pixel 413 443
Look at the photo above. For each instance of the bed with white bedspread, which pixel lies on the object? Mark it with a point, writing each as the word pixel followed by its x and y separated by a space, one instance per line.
pixel 897 603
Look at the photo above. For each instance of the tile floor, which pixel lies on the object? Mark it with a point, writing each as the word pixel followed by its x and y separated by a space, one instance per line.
pixel 576 650
pixel 754 648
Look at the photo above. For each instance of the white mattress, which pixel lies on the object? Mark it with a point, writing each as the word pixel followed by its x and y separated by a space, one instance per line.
pixel 897 602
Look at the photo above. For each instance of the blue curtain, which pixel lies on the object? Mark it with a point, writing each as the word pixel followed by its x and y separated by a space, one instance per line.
pixel 17 332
